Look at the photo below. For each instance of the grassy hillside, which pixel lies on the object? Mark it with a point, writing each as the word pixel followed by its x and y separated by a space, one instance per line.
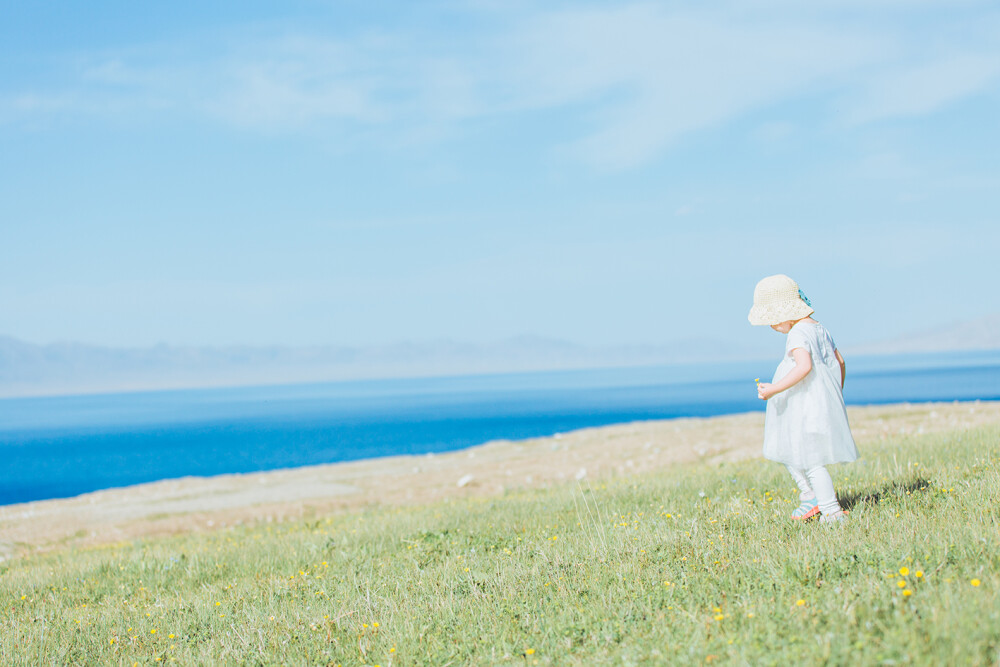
pixel 697 565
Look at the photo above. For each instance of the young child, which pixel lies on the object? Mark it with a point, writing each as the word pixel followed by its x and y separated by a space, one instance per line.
pixel 805 426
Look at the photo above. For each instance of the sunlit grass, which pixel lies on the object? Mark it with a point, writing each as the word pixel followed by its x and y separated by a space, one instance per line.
pixel 700 564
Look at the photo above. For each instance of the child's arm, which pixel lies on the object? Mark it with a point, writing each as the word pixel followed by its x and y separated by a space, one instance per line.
pixel 803 364
pixel 843 368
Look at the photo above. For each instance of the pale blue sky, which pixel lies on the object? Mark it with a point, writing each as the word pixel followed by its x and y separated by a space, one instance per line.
pixel 372 172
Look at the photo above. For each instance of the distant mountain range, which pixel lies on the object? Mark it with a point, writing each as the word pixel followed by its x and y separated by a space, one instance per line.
pixel 980 334
pixel 71 368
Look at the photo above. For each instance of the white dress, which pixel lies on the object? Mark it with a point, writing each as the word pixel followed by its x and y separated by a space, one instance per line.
pixel 806 426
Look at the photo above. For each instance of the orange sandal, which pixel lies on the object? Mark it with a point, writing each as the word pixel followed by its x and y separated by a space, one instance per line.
pixel 807 510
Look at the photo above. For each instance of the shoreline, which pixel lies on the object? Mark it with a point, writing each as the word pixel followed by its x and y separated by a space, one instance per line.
pixel 206 503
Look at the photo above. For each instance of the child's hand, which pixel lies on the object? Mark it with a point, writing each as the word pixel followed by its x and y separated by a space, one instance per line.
pixel 765 390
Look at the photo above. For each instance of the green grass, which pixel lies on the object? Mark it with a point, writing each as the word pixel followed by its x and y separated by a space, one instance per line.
pixel 699 564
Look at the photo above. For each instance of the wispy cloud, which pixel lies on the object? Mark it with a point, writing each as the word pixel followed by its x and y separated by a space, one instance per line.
pixel 653 76
pixel 634 78
pixel 927 87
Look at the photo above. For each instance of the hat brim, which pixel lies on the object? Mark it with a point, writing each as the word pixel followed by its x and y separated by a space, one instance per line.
pixel 779 312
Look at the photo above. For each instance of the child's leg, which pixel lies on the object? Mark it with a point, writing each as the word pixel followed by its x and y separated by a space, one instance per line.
pixel 821 483
pixel 808 507
pixel 805 491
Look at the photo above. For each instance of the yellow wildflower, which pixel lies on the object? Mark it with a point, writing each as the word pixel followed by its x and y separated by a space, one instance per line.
pixel 904 571
pixel 799 603
pixel 907 593
pixel 975 582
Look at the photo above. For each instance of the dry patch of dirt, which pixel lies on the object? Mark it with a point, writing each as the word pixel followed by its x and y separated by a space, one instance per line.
pixel 206 503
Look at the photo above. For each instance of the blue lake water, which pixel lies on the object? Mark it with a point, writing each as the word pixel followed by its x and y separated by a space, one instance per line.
pixel 64 446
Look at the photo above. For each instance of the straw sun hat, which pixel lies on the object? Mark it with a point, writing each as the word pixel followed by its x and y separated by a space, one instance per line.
pixel 778 299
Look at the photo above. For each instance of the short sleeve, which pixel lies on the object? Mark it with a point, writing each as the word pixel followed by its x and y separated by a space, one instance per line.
pixel 797 337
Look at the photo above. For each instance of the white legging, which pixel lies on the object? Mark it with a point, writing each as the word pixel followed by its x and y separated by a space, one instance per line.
pixel 815 483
